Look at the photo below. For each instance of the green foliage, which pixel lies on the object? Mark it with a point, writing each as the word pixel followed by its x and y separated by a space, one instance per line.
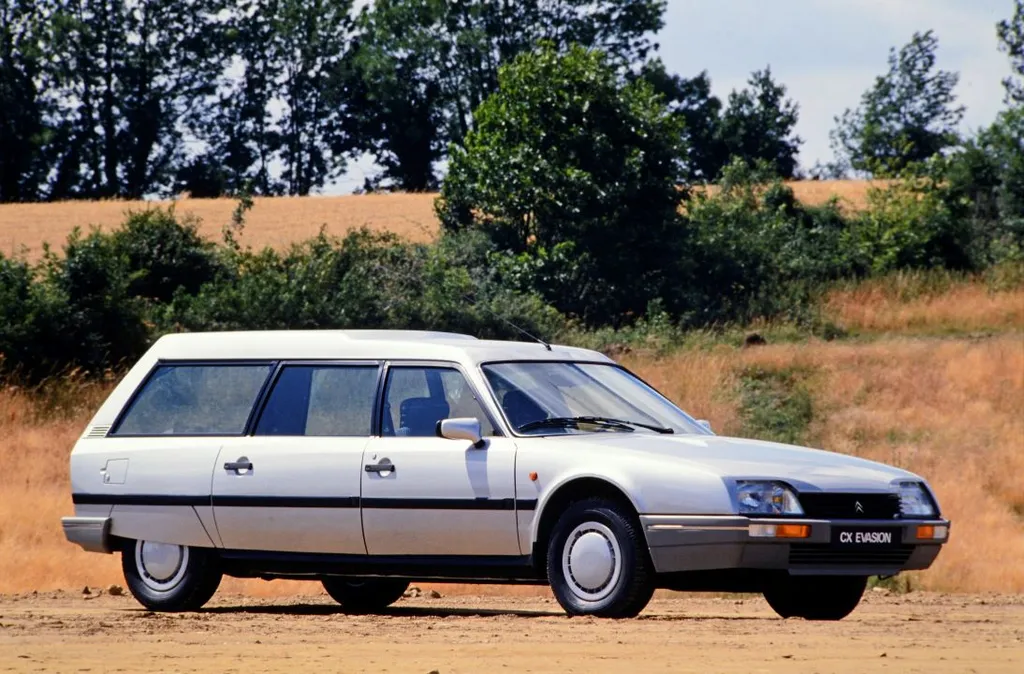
pixel 775 404
pixel 760 253
pixel 1011 41
pixel 907 116
pixel 285 102
pixel 24 131
pixel 364 280
pixel 128 78
pixel 164 254
pixel 984 187
pixel 691 100
pixel 909 225
pixel 758 125
pixel 421 67
pixel 565 152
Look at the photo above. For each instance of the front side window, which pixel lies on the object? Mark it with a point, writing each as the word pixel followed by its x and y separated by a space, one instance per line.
pixel 195 400
pixel 542 398
pixel 327 400
pixel 416 398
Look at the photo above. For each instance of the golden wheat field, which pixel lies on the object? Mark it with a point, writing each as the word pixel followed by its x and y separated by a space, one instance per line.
pixel 280 221
pixel 949 408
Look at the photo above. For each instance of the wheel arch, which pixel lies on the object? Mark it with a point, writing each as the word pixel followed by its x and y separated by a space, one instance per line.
pixel 573 489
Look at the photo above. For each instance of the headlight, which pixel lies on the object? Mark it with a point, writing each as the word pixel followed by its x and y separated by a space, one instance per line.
pixel 915 501
pixel 766 498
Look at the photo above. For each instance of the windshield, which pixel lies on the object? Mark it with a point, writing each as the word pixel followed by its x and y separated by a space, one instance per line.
pixel 544 398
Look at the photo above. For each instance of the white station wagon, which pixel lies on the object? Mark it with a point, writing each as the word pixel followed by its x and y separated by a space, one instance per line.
pixel 369 459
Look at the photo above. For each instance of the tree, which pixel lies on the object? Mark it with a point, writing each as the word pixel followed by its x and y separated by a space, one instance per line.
pixel 423 66
pixel 309 44
pixel 1011 40
pixel 758 125
pixel 24 131
pixel 236 124
pixel 129 73
pixel 691 100
pixel 565 154
pixel 984 185
pixel 907 116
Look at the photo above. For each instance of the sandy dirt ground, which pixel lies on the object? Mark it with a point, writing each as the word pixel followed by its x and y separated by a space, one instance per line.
pixel 69 632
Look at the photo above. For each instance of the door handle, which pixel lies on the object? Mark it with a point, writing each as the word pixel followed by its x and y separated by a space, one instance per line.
pixel 380 467
pixel 237 466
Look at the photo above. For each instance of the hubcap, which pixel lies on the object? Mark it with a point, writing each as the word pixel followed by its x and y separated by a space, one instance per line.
pixel 161 565
pixel 591 561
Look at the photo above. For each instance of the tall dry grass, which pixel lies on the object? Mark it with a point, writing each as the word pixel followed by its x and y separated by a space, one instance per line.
pixel 280 221
pixel 902 303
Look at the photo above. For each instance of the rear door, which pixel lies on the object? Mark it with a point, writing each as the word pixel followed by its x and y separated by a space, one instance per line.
pixel 425 495
pixel 293 485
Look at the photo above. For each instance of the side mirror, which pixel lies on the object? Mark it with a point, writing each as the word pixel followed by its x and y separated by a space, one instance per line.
pixel 465 428
pixel 705 424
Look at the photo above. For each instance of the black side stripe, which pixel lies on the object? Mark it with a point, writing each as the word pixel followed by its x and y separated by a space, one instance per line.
pixel 139 499
pixel 287 501
pixel 306 502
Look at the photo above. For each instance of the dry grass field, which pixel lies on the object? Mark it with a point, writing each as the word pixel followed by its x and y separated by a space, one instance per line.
pixel 277 222
pixel 949 408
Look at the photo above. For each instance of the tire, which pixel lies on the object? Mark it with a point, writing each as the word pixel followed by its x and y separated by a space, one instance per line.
pixel 815 597
pixel 597 561
pixel 167 577
pixel 364 595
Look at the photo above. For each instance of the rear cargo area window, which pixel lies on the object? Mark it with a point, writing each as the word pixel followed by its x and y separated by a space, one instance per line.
pixel 195 400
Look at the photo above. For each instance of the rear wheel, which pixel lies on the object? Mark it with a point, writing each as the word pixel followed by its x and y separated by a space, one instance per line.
pixel 598 562
pixel 168 577
pixel 364 595
pixel 815 597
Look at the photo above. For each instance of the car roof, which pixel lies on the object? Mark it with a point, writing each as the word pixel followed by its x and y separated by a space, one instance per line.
pixel 357 345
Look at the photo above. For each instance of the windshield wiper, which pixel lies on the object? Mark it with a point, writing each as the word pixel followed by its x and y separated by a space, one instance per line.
pixel 607 422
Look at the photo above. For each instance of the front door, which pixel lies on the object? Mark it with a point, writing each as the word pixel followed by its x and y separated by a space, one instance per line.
pixel 293 486
pixel 425 495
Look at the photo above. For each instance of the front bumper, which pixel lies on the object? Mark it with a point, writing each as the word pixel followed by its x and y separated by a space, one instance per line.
pixel 92 533
pixel 705 543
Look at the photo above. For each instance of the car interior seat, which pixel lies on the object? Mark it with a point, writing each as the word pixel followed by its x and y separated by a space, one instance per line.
pixel 521 409
pixel 418 417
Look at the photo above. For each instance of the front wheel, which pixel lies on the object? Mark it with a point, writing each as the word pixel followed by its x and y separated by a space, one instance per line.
pixel 364 595
pixel 598 562
pixel 815 597
pixel 168 577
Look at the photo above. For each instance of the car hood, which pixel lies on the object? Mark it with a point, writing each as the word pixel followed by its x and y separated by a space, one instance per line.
pixel 740 458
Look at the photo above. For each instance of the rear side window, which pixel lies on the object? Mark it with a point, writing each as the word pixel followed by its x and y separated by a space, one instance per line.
pixel 329 400
pixel 195 400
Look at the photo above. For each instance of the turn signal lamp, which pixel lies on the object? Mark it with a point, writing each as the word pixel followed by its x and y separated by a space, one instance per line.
pixel 932 532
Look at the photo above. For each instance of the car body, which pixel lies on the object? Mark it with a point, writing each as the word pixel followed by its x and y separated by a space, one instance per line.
pixel 367 459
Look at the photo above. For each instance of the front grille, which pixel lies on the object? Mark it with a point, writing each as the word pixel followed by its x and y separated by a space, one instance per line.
pixel 826 555
pixel 830 506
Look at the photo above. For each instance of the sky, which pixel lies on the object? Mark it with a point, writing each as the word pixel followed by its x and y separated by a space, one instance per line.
pixel 826 52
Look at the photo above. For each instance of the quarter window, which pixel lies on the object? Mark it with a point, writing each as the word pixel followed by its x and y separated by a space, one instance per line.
pixel 326 400
pixel 195 400
pixel 416 398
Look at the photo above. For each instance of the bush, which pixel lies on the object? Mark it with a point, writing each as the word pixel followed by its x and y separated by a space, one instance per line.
pixel 164 253
pixel 566 153
pixel 909 225
pixel 757 252
pixel 364 280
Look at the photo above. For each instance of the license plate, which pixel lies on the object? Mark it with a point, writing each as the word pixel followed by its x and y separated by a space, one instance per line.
pixel 866 537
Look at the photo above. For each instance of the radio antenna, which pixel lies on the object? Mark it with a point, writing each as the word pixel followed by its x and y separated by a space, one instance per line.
pixel 506 321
